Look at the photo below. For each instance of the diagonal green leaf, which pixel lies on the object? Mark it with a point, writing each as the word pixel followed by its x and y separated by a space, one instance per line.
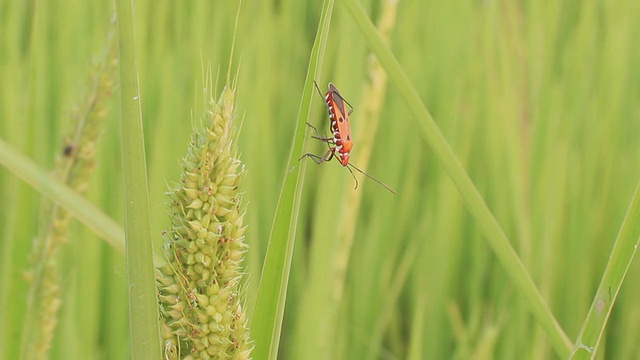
pixel 143 309
pixel 267 316
pixel 477 207
pixel 624 249
pixel 56 191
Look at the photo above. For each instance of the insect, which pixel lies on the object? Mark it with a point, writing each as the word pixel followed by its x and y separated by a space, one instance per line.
pixel 340 144
pixel 68 150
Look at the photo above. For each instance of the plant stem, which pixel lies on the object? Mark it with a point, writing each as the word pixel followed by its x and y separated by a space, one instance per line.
pixel 143 310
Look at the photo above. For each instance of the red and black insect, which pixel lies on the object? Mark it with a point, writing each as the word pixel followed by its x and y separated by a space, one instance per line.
pixel 340 144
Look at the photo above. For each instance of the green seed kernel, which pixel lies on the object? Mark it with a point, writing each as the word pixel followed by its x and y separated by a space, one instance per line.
pixel 191 193
pixel 195 225
pixel 206 220
pixel 168 299
pixel 172 289
pixel 203 300
pixel 196 204
pixel 192 247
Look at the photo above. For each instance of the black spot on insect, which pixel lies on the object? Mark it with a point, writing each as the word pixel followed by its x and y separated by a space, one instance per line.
pixel 340 119
pixel 349 137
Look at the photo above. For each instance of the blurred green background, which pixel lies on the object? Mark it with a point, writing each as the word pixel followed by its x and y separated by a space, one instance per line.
pixel 539 99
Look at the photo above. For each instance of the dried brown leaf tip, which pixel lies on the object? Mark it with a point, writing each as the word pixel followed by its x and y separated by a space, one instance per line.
pixel 200 289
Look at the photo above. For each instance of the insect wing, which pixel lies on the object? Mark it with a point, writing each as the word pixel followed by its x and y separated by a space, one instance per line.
pixel 339 114
pixel 337 100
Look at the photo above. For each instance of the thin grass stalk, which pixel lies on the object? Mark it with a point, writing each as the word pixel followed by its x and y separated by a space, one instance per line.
pixel 274 280
pixel 143 309
pixel 375 92
pixel 416 348
pixel 49 186
pixel 478 208
pixel 387 313
pixel 74 168
pixel 622 254
pixel 55 190
pixel 328 276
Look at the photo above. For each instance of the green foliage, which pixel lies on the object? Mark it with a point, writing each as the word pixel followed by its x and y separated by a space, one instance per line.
pixel 538 101
pixel 274 279
pixel 143 302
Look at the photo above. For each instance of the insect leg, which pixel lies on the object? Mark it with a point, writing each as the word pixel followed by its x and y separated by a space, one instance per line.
pixel 318 137
pixel 317 88
pixel 319 160
pixel 314 129
pixel 323 139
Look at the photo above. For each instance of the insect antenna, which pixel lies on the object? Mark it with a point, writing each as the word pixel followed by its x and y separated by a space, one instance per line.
pixel 353 175
pixel 349 166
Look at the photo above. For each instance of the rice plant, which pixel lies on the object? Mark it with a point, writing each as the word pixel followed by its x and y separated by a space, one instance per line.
pixel 508 130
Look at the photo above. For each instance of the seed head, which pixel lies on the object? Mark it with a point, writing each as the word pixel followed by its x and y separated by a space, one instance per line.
pixel 200 286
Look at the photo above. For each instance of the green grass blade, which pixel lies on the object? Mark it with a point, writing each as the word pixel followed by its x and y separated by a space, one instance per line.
pixel 267 316
pixel 143 309
pixel 622 254
pixel 90 215
pixel 475 203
